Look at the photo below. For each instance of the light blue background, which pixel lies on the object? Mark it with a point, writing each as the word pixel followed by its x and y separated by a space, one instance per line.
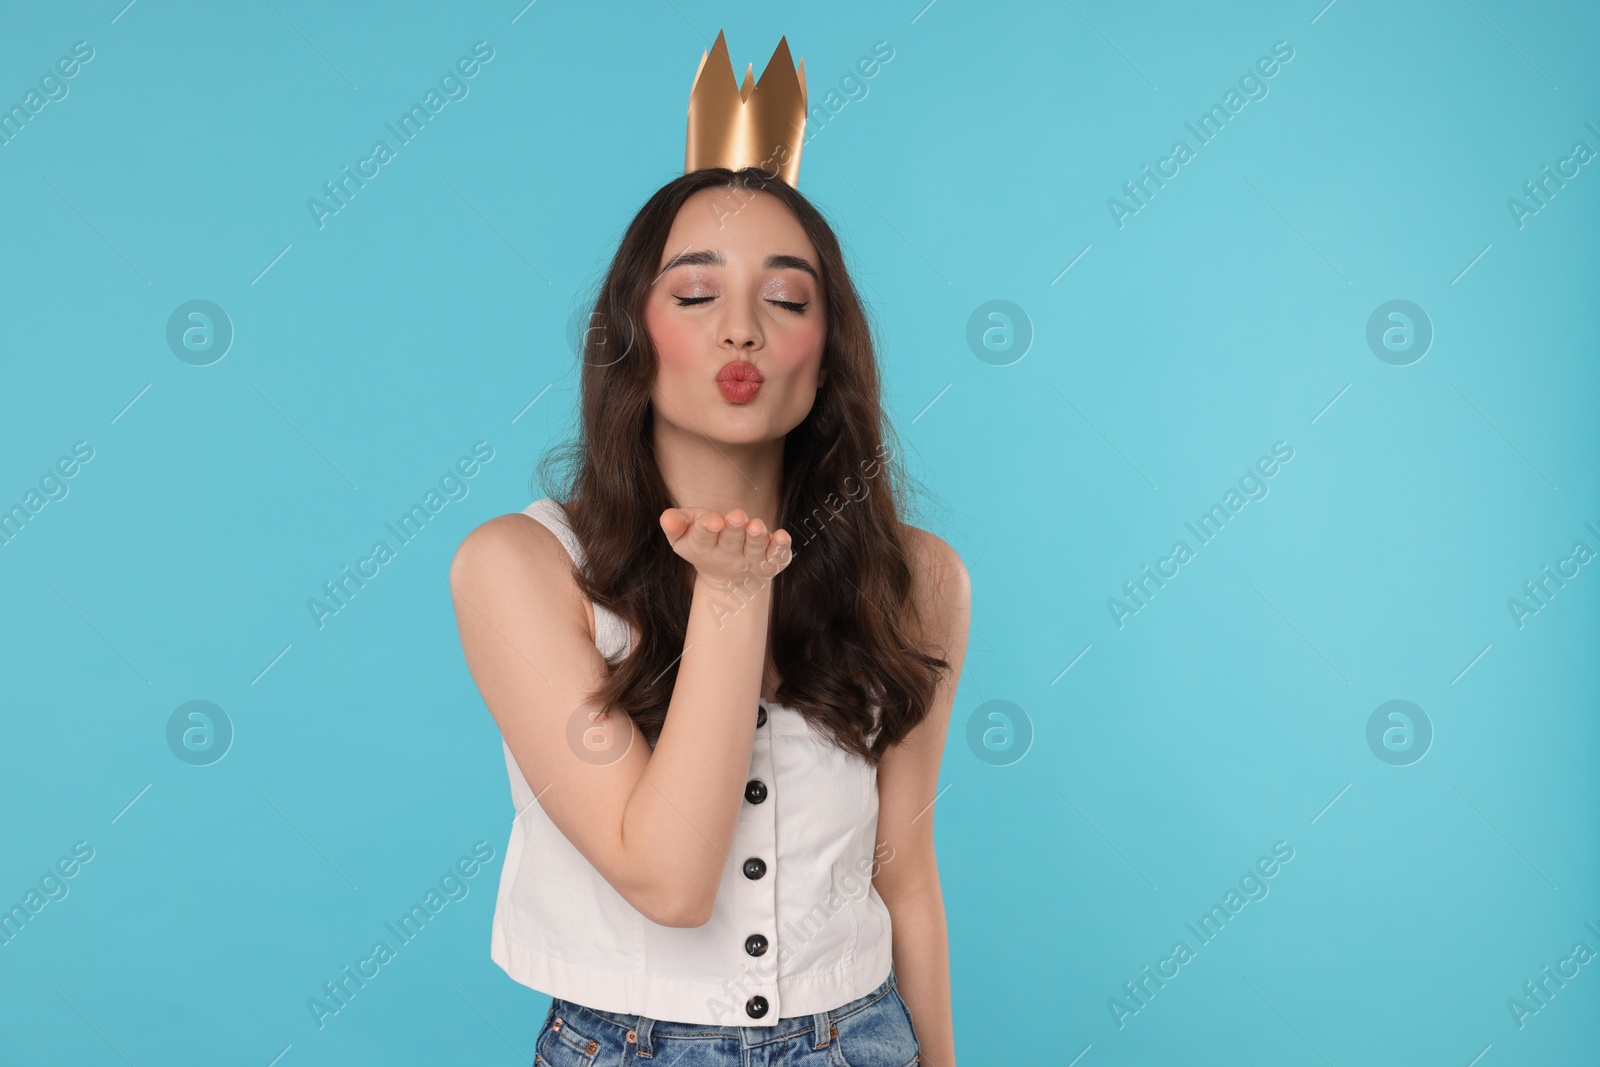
pixel 1226 315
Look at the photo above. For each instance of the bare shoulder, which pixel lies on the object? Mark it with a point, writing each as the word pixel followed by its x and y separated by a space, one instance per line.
pixel 940 585
pixel 513 538
pixel 932 553
pixel 518 557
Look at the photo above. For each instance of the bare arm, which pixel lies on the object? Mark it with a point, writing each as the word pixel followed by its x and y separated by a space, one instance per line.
pixel 658 824
pixel 908 784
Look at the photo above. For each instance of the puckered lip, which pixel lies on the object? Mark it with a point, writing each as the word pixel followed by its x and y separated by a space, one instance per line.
pixel 739 370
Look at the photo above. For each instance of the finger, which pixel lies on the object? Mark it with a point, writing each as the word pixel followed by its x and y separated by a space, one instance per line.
pixel 756 540
pixel 706 528
pixel 780 551
pixel 674 521
pixel 783 544
pixel 733 537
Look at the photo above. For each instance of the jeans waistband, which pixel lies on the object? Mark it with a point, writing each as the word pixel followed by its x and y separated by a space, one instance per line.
pixel 645 1029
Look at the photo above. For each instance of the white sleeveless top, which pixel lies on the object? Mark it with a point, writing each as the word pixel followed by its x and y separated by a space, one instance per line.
pixel 797 927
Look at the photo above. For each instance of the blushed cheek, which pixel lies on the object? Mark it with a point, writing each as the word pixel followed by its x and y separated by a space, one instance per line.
pixel 812 346
pixel 674 343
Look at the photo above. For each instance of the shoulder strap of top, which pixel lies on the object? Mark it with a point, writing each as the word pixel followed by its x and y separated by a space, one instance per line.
pixel 611 635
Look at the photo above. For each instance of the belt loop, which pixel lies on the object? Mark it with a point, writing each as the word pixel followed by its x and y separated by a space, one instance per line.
pixel 822 1030
pixel 643 1028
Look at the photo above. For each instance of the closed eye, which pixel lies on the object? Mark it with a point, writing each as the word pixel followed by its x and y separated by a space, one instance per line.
pixel 798 307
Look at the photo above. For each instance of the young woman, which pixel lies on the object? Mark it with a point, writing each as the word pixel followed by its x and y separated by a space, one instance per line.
pixel 723 669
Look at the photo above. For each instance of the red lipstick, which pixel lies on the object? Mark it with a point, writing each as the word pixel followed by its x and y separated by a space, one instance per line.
pixel 739 381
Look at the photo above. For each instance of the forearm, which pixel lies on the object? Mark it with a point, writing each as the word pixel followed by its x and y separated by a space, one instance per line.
pixel 682 814
pixel 922 971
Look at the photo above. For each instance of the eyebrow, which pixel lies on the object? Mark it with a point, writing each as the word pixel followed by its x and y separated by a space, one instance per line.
pixel 709 258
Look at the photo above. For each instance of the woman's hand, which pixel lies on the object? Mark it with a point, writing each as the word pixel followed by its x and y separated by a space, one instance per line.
pixel 728 551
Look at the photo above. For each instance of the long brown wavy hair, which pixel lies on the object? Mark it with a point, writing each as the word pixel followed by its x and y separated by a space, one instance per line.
pixel 842 615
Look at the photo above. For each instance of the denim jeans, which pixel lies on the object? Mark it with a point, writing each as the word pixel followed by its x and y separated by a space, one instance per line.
pixel 871 1031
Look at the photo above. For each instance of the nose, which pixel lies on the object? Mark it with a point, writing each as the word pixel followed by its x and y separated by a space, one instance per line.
pixel 740 328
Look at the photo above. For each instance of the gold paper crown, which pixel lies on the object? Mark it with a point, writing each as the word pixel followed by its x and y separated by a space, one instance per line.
pixel 754 125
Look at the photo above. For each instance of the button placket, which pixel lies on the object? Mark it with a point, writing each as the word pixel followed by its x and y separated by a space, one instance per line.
pixel 757 888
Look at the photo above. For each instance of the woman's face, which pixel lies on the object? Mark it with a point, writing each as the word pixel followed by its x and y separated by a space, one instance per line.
pixel 738 301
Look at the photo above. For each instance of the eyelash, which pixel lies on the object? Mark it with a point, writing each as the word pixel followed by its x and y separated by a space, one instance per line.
pixel 796 306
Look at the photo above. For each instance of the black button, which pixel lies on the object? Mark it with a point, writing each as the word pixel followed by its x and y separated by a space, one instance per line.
pixel 756 945
pixel 755 867
pixel 755 790
pixel 761 717
pixel 756 1007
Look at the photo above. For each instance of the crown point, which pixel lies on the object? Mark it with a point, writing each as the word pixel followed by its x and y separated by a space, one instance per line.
pixel 757 123
pixel 719 48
